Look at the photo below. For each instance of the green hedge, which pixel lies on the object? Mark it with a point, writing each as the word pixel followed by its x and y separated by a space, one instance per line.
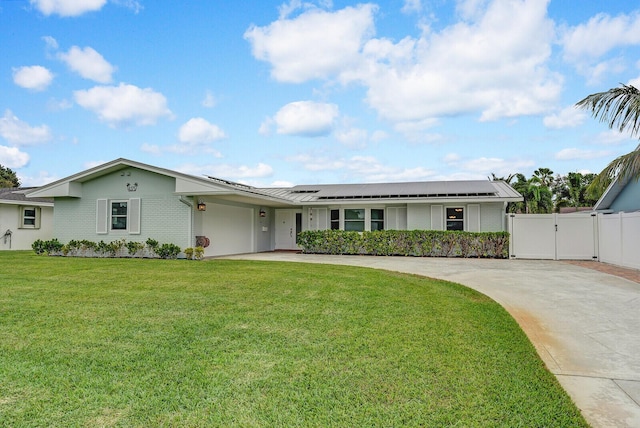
pixel 118 248
pixel 418 243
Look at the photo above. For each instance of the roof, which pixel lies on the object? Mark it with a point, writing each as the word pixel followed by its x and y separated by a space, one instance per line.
pixel 470 190
pixel 313 194
pixel 15 196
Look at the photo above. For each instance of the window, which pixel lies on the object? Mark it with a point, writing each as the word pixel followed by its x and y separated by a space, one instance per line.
pixel 29 218
pixel 119 215
pixel 335 219
pixel 455 218
pixel 377 219
pixel 354 220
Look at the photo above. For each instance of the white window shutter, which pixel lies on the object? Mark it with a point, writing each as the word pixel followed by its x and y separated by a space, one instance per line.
pixel 473 218
pixel 102 216
pixel 133 212
pixel 437 217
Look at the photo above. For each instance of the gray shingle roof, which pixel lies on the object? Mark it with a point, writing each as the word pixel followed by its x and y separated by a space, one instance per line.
pixel 13 194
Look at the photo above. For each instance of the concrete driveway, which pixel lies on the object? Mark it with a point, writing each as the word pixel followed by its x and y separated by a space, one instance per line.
pixel 585 324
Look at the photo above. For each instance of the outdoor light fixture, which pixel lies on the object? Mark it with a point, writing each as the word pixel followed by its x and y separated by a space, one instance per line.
pixel 262 212
pixel 202 206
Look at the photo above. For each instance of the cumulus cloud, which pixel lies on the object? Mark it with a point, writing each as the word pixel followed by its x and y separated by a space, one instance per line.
pixel 88 63
pixel 199 130
pixel 124 104
pixel 468 67
pixel 304 118
pixel 17 132
pixel 411 6
pixel 43 177
pixel 314 45
pixel 600 35
pixel 209 100
pixel 33 77
pixel 12 157
pixel 568 117
pixel 574 153
pixel 67 7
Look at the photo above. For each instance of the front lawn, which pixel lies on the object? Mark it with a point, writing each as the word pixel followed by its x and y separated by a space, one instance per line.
pixel 135 342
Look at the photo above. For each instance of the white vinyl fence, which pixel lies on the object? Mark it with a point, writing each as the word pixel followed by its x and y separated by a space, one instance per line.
pixel 610 238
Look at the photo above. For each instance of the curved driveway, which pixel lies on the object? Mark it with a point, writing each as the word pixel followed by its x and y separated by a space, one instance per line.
pixel 585 324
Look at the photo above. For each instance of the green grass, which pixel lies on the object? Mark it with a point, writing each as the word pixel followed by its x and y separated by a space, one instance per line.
pixel 130 342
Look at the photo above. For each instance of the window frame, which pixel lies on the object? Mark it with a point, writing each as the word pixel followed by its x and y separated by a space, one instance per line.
pixel 453 219
pixel 124 216
pixel 35 217
pixel 377 221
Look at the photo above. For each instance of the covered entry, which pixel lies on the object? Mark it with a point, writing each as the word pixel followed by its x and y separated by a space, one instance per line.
pixel 553 236
pixel 288 225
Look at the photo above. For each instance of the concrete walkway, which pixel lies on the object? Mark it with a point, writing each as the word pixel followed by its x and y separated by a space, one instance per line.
pixel 585 324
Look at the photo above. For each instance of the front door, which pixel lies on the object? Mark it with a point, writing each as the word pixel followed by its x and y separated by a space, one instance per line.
pixel 288 225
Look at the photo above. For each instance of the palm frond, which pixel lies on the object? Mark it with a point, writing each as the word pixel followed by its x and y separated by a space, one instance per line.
pixel 618 107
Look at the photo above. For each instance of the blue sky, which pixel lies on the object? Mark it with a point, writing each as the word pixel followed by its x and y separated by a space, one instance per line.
pixel 281 93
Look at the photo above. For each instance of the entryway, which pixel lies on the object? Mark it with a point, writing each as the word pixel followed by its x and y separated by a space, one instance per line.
pixel 288 225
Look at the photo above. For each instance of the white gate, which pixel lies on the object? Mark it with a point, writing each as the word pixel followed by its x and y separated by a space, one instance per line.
pixel 553 236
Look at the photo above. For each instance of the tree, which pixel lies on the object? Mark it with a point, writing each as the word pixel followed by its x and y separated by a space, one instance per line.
pixel 8 178
pixel 545 175
pixel 620 108
pixel 571 191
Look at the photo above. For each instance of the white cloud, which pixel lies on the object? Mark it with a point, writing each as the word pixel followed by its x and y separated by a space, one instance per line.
pixel 573 154
pixel 33 77
pixel 209 100
pixel 315 44
pixel 599 35
pixel 501 167
pixel 352 137
pixel 226 171
pixel 88 63
pixel 411 6
pixel 365 169
pixel 304 118
pixel 198 130
pixel 12 157
pixel 67 7
pixel 493 64
pixel 43 177
pixel 451 158
pixel 50 42
pixel 18 132
pixel 124 104
pixel 568 117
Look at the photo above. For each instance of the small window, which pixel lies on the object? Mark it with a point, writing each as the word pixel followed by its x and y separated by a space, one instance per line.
pixel 377 219
pixel 455 218
pixel 354 220
pixel 119 215
pixel 335 219
pixel 29 218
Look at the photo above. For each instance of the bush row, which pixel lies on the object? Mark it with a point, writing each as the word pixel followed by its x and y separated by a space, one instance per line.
pixel 118 248
pixel 418 243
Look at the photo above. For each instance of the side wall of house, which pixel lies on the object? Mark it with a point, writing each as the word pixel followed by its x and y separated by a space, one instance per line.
pixel 163 216
pixel 13 236
pixel 629 199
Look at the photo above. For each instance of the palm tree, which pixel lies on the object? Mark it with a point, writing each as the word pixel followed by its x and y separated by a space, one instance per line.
pixel 620 108
pixel 545 175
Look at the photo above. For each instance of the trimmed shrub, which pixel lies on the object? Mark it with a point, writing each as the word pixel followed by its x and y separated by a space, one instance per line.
pixel 418 243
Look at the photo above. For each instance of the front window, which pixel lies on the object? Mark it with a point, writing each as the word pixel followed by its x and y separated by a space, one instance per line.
pixel 29 218
pixel 377 219
pixel 119 215
pixel 354 220
pixel 455 218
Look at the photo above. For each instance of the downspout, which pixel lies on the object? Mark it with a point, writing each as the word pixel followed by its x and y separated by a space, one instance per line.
pixel 189 203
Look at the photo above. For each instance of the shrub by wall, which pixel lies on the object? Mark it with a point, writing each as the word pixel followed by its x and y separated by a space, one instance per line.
pixel 417 243
pixel 118 248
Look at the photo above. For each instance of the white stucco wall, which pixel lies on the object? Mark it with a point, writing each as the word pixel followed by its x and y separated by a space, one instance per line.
pixel 22 238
